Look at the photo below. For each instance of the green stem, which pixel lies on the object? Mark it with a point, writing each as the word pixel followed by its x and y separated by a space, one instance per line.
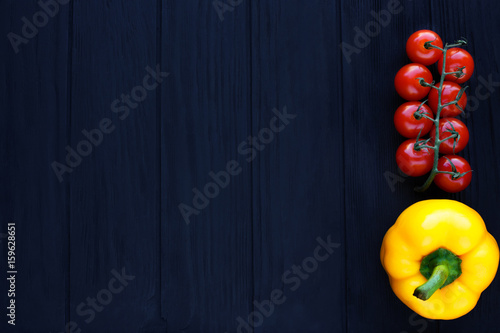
pixel 438 278
pixel 428 147
pixel 454 73
pixel 437 142
pixel 441 268
pixel 429 45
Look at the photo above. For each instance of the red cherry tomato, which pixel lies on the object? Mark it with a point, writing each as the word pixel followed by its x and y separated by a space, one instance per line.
pixel 446 124
pixel 406 123
pixel 448 94
pixel 456 58
pixel 418 53
pixel 448 182
pixel 414 162
pixel 407 82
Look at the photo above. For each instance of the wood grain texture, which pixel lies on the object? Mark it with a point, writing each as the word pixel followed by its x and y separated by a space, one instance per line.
pixel 115 191
pixel 298 176
pixel 33 127
pixel 207 272
pixel 229 74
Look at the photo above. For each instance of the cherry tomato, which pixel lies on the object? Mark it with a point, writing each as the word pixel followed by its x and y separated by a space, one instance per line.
pixel 414 162
pixel 406 123
pixel 456 58
pixel 446 124
pixel 418 53
pixel 448 182
pixel 407 82
pixel 448 94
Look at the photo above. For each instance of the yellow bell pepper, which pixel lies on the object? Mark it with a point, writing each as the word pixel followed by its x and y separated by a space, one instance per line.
pixel 439 258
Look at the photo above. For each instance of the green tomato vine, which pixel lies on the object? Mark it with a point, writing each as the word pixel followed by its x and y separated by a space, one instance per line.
pixel 424 143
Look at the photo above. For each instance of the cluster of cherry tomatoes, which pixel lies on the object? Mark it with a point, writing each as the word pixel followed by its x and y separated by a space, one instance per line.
pixel 416 119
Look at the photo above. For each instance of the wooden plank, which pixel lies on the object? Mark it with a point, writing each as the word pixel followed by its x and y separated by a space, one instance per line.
pixel 476 22
pixel 115 190
pixel 298 174
pixel 372 205
pixel 34 113
pixel 207 277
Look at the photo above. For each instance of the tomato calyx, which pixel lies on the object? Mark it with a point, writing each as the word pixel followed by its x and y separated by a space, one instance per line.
pixel 422 144
pixel 424 83
pixel 420 112
pixel 463 41
pixel 428 45
pixel 453 135
pixel 454 173
pixel 419 144
pixel 458 73
pixel 457 99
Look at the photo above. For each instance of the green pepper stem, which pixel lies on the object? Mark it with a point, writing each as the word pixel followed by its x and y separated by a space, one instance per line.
pixel 437 279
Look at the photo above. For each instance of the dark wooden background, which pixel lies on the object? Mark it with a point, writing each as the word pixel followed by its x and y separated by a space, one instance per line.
pixel 324 174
